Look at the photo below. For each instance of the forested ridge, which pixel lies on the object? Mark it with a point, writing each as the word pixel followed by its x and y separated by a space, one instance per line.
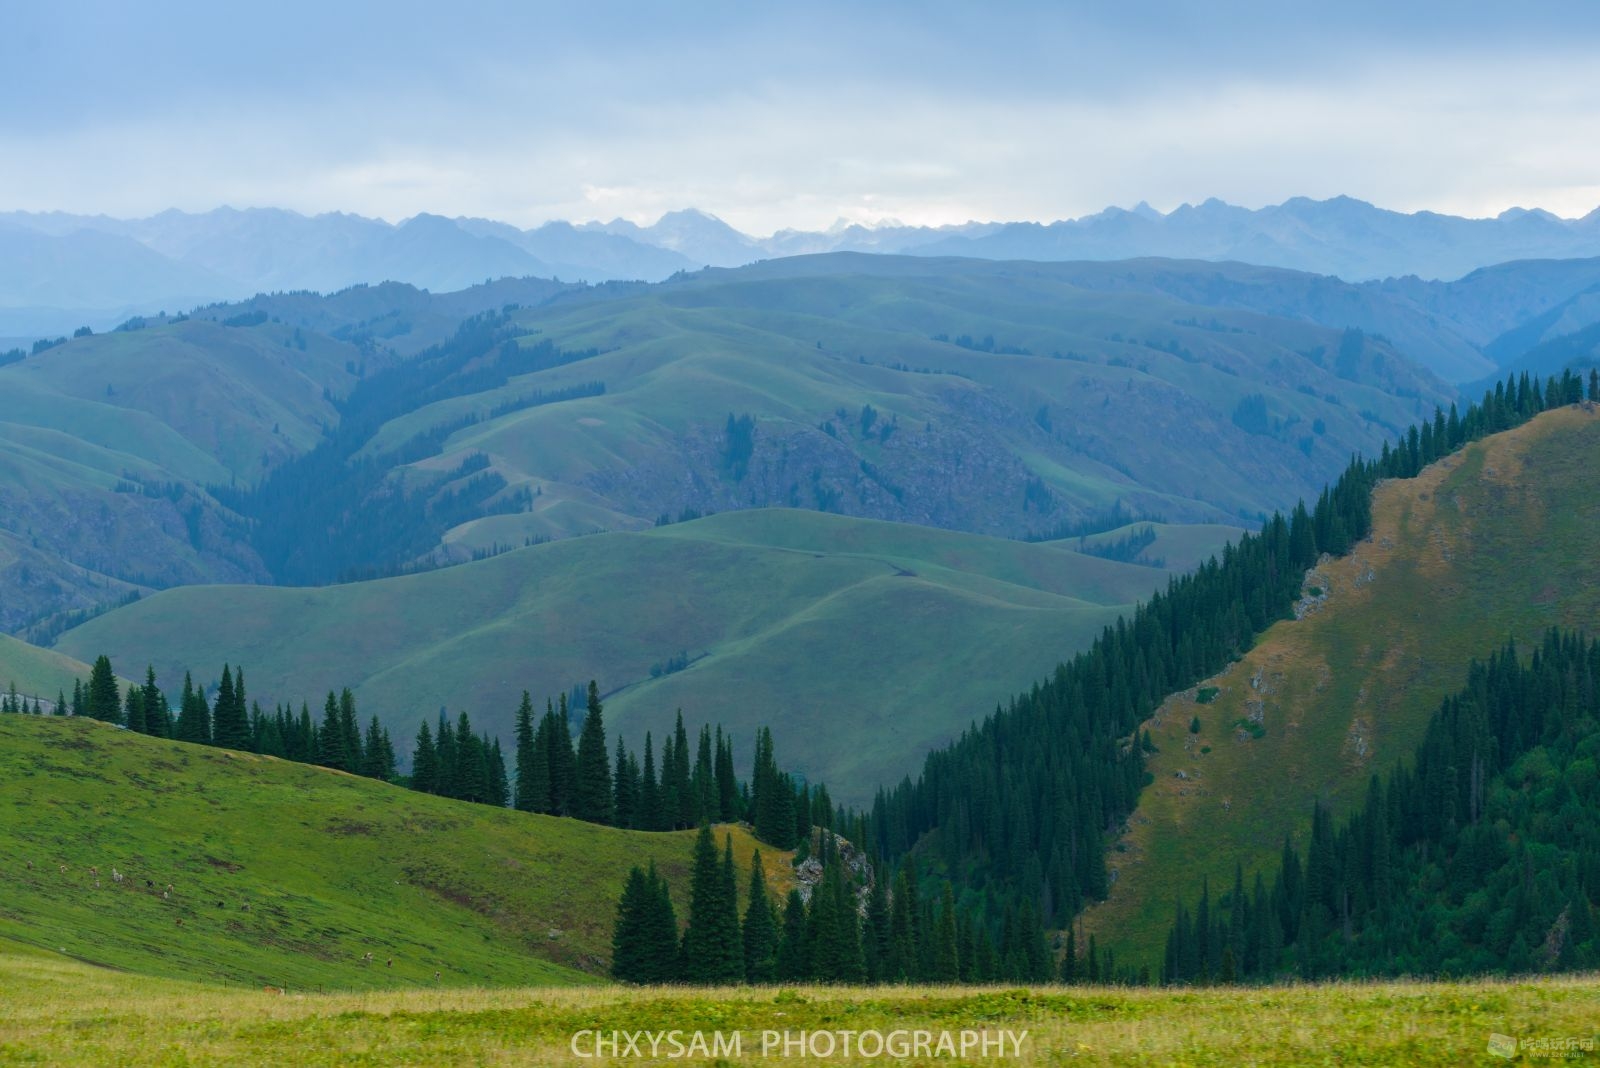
pixel 332 514
pixel 1018 809
pixel 1482 854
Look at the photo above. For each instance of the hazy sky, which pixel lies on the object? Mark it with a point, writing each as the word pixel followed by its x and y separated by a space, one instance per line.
pixel 793 115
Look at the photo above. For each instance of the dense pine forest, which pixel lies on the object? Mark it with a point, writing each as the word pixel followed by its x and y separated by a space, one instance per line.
pixel 1480 855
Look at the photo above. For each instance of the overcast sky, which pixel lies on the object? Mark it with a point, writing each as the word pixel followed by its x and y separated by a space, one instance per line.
pixel 794 115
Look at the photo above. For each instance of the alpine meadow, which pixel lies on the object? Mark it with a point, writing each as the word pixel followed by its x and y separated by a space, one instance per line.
pixel 557 535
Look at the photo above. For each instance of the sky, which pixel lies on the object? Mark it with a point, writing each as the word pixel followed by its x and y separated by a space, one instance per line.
pixel 777 116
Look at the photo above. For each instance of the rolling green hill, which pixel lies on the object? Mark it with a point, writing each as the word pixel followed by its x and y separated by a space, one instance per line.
pixel 987 397
pixel 860 643
pixel 1496 541
pixel 37 672
pixel 287 875
pixel 108 442
pixel 994 398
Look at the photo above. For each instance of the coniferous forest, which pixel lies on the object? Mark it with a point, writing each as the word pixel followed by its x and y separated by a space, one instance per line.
pixel 1481 854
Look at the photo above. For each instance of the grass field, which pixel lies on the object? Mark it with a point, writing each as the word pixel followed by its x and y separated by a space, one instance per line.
pixel 37 672
pixel 287 875
pixel 1498 541
pixel 861 643
pixel 58 1011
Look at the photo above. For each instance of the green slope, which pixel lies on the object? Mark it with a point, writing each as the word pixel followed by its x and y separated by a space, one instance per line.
pixel 36 672
pixel 1006 441
pixel 861 643
pixel 108 442
pixel 331 867
pixel 1497 541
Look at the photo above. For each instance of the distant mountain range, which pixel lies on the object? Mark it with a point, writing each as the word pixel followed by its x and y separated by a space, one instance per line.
pixel 58 271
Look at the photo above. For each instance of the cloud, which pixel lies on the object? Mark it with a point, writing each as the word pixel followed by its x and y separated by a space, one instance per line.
pixel 792 117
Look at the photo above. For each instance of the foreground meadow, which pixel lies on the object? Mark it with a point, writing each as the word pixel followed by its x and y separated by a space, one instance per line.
pixel 58 1011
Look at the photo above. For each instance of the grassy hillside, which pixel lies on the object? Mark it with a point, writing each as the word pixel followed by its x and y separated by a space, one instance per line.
pixel 1496 541
pixel 861 643
pixel 977 396
pixel 37 672
pixel 108 442
pixel 60 1011
pixel 286 875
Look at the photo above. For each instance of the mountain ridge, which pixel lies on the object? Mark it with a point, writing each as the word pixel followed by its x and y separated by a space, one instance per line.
pixel 230 253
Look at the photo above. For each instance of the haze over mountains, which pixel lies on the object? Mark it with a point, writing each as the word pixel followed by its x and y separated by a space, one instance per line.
pixel 59 271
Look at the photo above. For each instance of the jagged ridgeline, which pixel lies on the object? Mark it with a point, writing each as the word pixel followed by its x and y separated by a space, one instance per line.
pixel 338 513
pixel 1018 808
pixel 1481 855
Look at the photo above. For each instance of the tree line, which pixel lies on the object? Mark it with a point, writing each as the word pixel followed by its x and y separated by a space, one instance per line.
pixel 229 721
pixel 848 926
pixel 552 775
pixel 1482 854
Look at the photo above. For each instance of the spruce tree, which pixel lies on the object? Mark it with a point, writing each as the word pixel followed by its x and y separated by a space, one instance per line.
pixel 703 780
pixel 669 791
pixel 662 951
pixel 644 942
pixel 528 798
pixel 353 753
pixel 539 784
pixel 901 964
pixel 629 934
pixel 499 784
pixel 835 931
pixel 649 817
pixel 157 716
pixel 592 799
pixel 103 701
pixel 377 757
pixel 471 779
pixel 712 949
pixel 760 929
pixel 876 938
pixel 230 723
pixel 682 786
pixel 133 710
pixel 727 781
pixel 625 789
pixel 194 717
pixel 794 956
pixel 445 747
pixel 563 763
pixel 425 762
pixel 946 958
pixel 331 737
